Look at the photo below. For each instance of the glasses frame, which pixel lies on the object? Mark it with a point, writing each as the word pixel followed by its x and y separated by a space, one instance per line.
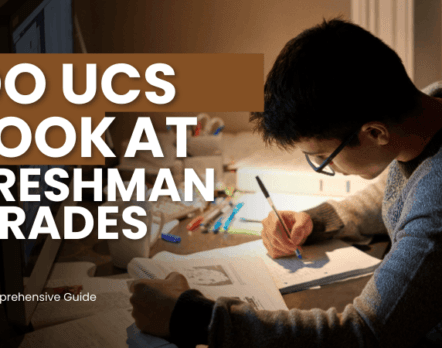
pixel 330 158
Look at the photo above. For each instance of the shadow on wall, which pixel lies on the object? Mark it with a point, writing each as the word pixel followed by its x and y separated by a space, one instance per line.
pixel 198 26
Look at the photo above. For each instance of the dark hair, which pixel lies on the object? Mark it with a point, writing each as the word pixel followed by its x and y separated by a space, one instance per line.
pixel 330 80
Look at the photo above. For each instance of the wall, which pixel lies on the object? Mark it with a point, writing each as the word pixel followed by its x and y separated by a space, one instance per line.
pixel 428 42
pixel 196 26
pixel 412 28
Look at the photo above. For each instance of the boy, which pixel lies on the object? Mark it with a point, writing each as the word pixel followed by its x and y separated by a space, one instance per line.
pixel 343 97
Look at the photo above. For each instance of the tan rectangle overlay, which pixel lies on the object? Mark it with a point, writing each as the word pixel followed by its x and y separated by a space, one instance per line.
pixel 203 82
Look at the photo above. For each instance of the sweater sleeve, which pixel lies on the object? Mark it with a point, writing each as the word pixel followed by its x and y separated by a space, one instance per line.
pixel 188 331
pixel 352 219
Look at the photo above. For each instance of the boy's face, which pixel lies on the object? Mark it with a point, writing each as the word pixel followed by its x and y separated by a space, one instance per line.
pixel 367 160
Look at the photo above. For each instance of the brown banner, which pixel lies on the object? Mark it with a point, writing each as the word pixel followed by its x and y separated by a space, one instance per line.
pixel 202 82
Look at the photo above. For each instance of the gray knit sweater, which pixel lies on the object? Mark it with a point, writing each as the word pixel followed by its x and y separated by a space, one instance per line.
pixel 401 305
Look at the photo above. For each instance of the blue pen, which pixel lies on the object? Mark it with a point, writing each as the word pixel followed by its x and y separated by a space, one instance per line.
pixel 170 238
pixel 229 220
pixel 218 130
pixel 218 224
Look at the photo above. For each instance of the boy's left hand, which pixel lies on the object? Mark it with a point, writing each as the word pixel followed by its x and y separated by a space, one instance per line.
pixel 153 301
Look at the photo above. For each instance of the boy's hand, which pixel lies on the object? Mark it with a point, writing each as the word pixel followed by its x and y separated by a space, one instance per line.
pixel 274 237
pixel 153 301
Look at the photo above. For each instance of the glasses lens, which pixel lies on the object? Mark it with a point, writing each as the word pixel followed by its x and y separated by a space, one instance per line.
pixel 316 162
pixel 327 170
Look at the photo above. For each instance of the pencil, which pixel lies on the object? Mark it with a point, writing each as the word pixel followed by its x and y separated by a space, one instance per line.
pixel 284 226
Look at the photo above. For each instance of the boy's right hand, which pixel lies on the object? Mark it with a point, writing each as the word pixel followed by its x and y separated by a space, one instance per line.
pixel 275 239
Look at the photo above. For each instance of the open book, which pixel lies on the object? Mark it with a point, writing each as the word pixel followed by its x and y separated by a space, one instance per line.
pixel 322 263
pixel 108 293
pixel 245 278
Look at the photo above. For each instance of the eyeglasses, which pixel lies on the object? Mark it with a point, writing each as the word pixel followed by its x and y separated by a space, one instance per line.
pixel 324 167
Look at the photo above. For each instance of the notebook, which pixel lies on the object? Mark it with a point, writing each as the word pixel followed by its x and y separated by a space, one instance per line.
pixel 114 328
pixel 322 263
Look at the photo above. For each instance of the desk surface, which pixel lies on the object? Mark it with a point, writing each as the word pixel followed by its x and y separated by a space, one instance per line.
pixel 92 249
pixel 336 295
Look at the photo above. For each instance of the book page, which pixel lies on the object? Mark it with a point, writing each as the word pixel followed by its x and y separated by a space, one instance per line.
pixel 111 329
pixel 138 339
pixel 245 278
pixel 56 312
pixel 107 329
pixel 93 285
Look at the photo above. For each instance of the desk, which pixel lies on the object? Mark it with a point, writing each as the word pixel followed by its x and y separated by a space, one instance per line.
pixel 92 249
pixel 336 295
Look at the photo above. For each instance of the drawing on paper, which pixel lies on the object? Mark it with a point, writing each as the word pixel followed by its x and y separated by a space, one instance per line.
pixel 207 275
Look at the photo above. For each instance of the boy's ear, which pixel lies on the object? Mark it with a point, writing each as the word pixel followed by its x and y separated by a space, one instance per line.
pixel 377 132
